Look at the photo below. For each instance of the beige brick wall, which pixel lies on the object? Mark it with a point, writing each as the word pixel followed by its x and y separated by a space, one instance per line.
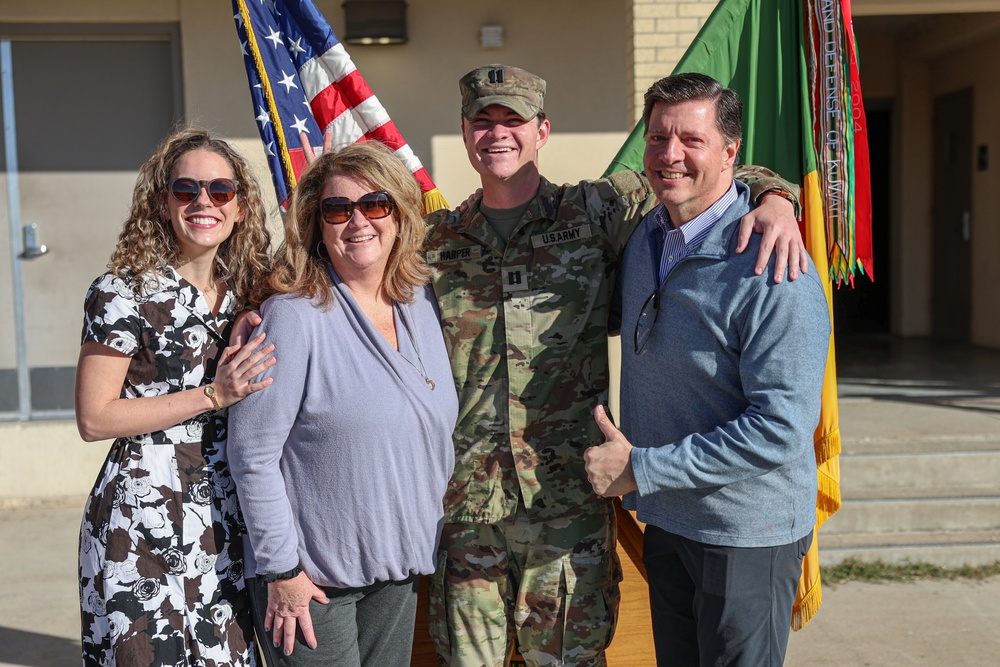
pixel 662 31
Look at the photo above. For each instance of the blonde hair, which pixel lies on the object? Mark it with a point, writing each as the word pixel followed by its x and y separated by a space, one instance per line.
pixel 298 266
pixel 147 240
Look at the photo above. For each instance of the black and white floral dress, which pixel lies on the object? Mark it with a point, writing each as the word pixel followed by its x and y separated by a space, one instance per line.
pixel 161 558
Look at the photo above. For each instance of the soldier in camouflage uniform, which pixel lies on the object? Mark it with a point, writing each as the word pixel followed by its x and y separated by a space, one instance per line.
pixel 523 278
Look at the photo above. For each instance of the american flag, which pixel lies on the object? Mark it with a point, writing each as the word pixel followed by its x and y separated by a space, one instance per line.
pixel 302 80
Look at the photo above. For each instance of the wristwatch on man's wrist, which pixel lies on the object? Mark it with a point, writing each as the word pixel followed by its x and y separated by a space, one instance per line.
pixel 291 574
pixel 784 194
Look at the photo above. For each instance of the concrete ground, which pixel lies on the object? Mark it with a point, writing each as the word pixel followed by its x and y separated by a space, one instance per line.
pixel 39 608
pixel 928 622
pixel 887 389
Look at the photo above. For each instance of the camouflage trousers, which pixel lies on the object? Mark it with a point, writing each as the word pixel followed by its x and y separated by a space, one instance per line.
pixel 552 585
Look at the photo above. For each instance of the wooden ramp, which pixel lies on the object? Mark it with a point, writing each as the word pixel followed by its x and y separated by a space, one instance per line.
pixel 633 642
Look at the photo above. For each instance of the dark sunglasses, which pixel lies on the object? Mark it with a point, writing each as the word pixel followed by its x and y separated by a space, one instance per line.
pixel 220 190
pixel 647 318
pixel 374 206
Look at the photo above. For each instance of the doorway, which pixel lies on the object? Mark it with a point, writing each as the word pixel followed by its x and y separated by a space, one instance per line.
pixel 865 308
pixel 951 218
pixel 82 112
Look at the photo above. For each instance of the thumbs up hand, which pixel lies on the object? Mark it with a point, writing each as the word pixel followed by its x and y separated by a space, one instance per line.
pixel 609 466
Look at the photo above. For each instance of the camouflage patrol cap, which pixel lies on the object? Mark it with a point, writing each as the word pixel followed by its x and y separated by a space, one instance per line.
pixel 512 87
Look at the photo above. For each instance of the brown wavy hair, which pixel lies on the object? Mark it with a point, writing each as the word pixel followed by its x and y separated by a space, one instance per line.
pixel 147 240
pixel 298 266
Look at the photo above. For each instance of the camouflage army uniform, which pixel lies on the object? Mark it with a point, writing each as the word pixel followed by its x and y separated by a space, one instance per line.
pixel 528 547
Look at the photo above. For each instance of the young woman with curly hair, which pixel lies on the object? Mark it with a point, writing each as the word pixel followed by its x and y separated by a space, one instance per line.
pixel 161 558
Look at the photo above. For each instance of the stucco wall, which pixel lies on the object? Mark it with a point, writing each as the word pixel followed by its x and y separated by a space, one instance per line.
pixel 579 46
pixel 597 71
pixel 46 463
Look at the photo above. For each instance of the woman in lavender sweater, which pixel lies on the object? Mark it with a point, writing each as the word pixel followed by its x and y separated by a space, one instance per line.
pixel 342 467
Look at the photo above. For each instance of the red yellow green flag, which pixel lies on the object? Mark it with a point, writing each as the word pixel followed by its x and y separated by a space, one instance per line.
pixel 793 61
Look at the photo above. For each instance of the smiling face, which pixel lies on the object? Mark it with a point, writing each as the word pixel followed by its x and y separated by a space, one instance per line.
pixel 201 226
pixel 502 145
pixel 358 248
pixel 688 163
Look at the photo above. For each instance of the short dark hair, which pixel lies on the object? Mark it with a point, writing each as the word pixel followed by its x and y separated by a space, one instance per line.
pixel 694 86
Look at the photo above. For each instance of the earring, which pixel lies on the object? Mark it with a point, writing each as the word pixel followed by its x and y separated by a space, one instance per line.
pixel 321 250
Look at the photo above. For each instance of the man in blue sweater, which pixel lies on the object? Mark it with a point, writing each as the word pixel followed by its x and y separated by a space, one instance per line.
pixel 721 382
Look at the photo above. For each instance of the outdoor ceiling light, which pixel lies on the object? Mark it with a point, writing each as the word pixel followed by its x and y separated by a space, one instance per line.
pixel 375 22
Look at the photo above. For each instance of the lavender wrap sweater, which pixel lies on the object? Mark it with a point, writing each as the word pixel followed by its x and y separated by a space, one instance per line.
pixel 342 463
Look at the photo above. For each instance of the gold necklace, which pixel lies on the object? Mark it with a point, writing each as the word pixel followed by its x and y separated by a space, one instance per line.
pixel 403 317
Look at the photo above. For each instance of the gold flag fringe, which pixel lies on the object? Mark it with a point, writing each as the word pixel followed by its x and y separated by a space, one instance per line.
pixel 434 201
pixel 808 604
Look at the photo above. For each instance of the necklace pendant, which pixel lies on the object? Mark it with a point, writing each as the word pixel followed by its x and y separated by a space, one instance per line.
pixel 431 383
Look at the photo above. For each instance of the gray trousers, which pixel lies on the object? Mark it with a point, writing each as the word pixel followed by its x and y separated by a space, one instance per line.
pixel 360 627
pixel 716 606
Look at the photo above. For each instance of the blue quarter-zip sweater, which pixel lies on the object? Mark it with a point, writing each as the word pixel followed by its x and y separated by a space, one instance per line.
pixel 722 400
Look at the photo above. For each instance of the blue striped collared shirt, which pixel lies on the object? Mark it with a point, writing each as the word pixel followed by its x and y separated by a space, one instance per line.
pixel 678 243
